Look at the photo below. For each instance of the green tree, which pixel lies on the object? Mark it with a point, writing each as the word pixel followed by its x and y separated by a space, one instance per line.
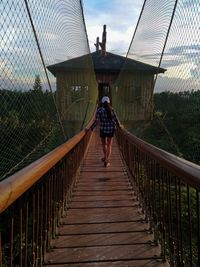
pixel 37 84
pixel 176 124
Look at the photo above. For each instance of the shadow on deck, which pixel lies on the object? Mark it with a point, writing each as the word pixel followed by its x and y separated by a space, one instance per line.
pixel 103 225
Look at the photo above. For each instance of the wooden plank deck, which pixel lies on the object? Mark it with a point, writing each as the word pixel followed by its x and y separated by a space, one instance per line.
pixel 103 226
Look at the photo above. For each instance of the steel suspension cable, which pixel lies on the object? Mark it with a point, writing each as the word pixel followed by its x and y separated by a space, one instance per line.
pixel 43 63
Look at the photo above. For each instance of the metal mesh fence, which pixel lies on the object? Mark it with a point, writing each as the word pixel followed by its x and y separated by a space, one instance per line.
pixel 48 89
pixel 157 93
pixel 40 109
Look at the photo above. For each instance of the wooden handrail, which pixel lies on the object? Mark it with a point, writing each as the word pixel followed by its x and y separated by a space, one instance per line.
pixel 14 186
pixel 187 170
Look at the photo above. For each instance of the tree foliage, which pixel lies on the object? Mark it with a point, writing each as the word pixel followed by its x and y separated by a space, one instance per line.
pixel 29 127
pixel 176 124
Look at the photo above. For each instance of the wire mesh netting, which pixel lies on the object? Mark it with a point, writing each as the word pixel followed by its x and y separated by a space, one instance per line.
pixel 44 43
pixel 157 93
pixel 36 115
pixel 48 91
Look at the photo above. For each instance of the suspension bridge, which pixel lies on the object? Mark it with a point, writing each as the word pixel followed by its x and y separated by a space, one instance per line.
pixel 59 205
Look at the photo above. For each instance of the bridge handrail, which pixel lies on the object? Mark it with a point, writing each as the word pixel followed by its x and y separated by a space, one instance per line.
pixel 168 190
pixel 14 186
pixel 188 171
pixel 33 202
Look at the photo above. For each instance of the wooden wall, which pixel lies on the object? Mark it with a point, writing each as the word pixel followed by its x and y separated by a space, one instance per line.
pixel 133 95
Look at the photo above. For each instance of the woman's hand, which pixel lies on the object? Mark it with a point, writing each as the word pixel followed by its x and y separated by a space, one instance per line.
pixel 87 129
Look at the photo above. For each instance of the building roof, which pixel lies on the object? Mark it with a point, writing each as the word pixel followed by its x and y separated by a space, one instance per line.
pixel 111 63
pixel 115 62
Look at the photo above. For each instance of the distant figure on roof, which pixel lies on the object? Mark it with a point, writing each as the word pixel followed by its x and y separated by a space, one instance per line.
pixel 106 117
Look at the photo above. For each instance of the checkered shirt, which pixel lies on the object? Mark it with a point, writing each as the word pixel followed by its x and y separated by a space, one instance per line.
pixel 106 125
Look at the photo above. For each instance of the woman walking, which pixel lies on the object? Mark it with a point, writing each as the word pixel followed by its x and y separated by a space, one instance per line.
pixel 106 117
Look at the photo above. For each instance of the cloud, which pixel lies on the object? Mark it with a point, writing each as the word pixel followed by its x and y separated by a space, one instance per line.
pixel 6 70
pixel 187 3
pixel 60 31
pixel 183 60
pixel 183 69
pixel 175 84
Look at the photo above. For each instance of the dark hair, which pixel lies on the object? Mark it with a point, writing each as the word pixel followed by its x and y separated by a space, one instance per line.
pixel 108 109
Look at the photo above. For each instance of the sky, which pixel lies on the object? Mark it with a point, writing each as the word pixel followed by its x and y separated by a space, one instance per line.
pixel 17 43
pixel 181 57
pixel 119 16
pixel 61 38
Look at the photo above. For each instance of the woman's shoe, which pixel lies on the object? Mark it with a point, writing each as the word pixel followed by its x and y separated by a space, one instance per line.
pixel 106 163
pixel 103 159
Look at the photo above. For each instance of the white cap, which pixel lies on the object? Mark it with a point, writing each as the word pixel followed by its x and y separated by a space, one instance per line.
pixel 105 99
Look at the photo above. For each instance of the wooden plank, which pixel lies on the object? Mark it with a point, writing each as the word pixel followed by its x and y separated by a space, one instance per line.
pixel 112 227
pixel 104 253
pixel 102 203
pixel 99 197
pixel 101 187
pixel 94 175
pixel 113 169
pixel 102 181
pixel 128 263
pixel 103 193
pixel 105 239
pixel 94 215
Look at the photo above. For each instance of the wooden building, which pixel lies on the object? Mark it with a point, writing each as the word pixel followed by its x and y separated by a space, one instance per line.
pixel 133 91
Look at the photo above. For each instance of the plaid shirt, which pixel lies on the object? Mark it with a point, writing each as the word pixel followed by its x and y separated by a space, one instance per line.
pixel 106 125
